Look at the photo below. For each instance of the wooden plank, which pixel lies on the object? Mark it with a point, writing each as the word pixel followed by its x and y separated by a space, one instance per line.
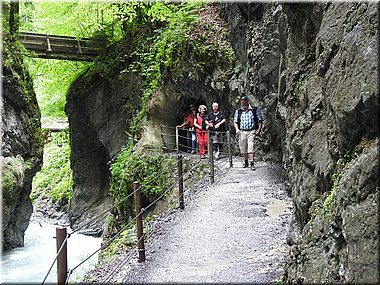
pixel 54 42
pixel 66 57
pixel 61 47
pixel 29 34
pixel 38 37
pixel 36 47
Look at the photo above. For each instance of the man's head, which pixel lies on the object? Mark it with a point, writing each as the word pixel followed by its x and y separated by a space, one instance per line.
pixel 244 102
pixel 215 107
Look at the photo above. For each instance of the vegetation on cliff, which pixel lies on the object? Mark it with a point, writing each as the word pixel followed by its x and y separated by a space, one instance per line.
pixel 22 139
pixel 166 36
pixel 55 177
pixel 166 39
pixel 13 61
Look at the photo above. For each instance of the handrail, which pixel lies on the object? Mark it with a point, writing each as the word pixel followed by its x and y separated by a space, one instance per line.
pixel 217 166
pixel 61 47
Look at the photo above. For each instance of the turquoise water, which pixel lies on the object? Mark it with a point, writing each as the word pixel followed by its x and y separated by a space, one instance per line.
pixel 31 263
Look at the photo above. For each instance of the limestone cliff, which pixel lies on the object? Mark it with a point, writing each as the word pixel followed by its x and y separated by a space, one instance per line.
pixel 101 108
pixel 312 68
pixel 315 66
pixel 99 118
pixel 22 144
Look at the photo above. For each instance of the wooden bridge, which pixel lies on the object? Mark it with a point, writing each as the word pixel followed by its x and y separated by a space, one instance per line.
pixel 62 47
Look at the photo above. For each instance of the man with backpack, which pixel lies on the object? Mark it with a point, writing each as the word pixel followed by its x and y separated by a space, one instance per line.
pixel 248 123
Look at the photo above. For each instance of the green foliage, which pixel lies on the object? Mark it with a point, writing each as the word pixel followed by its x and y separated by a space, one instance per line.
pixel 126 240
pixel 135 14
pixel 153 171
pixel 162 50
pixel 324 204
pixel 52 79
pixel 82 19
pixel 184 34
pixel 13 61
pixel 5 16
pixel 167 49
pixel 342 162
pixel 55 178
pixel 11 177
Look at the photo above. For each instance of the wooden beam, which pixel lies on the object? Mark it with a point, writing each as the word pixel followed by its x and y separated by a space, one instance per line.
pixel 61 47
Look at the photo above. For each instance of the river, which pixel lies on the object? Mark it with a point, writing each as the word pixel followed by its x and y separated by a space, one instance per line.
pixel 32 262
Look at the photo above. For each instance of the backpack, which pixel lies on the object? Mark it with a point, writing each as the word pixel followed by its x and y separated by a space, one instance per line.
pixel 202 123
pixel 255 117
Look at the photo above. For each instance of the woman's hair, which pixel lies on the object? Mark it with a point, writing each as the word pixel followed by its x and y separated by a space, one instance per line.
pixel 202 106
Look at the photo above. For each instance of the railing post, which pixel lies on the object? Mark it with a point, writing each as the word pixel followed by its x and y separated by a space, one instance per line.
pixel 79 47
pixel 139 222
pixel 180 182
pixel 211 157
pixel 229 148
pixel 48 44
pixel 176 140
pixel 62 256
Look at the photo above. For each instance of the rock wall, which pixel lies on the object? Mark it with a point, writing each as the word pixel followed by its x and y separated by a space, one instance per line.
pixel 99 116
pixel 22 145
pixel 313 68
pixel 101 108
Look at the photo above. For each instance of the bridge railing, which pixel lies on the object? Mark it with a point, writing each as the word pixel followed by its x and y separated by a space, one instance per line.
pixel 61 47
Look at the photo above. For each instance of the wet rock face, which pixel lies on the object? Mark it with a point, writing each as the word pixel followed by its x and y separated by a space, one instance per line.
pixel 256 39
pixel 169 103
pixel 22 150
pixel 99 116
pixel 312 70
pixel 100 112
pixel 321 105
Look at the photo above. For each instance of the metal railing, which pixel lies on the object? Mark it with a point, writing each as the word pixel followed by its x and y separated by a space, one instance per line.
pixel 63 273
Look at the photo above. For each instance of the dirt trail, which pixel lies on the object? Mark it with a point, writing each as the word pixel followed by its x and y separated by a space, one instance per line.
pixel 231 231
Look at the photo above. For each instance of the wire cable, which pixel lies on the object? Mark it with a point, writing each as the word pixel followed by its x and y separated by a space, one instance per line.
pixel 59 251
pixel 174 183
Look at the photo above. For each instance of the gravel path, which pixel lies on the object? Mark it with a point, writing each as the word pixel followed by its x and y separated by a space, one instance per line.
pixel 231 231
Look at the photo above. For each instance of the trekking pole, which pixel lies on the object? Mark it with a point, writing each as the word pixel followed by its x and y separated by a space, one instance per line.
pixel 211 157
pixel 229 148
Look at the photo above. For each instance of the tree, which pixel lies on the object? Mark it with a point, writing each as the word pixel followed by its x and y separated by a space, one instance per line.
pixel 14 19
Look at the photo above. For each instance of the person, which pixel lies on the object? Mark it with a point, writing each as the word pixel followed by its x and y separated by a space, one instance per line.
pixel 216 120
pixel 188 124
pixel 201 128
pixel 248 122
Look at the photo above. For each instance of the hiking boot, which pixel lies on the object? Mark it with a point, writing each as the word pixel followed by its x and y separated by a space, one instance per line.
pixel 253 165
pixel 245 164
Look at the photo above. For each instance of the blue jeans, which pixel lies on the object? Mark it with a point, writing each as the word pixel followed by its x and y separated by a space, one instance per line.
pixel 194 142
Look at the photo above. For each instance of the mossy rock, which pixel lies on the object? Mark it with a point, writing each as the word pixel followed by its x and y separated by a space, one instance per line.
pixel 12 177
